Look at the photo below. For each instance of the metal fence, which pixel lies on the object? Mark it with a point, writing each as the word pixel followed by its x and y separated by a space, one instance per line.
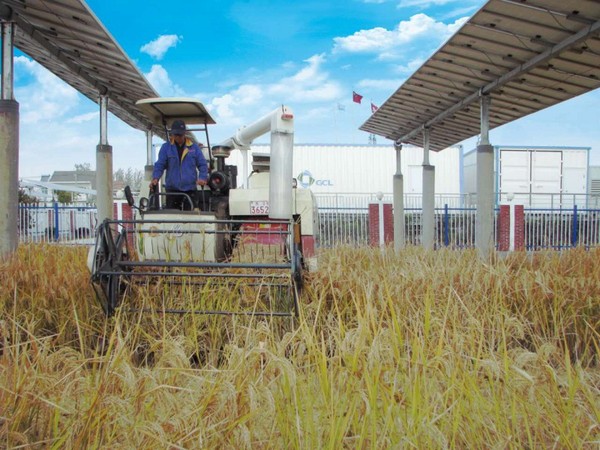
pixel 344 220
pixel 55 222
pixel 562 228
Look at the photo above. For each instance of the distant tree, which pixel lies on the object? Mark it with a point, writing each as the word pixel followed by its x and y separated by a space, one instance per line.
pixel 119 175
pixel 26 220
pixel 26 198
pixel 64 197
pixel 130 177
pixel 83 167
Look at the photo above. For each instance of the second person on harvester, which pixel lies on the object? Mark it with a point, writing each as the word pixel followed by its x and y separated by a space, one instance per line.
pixel 185 165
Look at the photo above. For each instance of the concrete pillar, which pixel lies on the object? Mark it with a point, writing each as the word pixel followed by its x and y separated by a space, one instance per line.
pixel 399 234
pixel 104 166
pixel 9 144
pixel 9 182
pixel 484 221
pixel 428 212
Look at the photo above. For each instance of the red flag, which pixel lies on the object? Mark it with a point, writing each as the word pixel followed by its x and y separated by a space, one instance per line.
pixel 373 108
pixel 356 98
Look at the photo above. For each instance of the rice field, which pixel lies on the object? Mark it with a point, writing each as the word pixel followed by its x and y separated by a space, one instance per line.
pixel 425 349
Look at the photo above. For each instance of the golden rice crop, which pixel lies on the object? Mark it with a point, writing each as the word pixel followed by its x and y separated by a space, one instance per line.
pixel 424 349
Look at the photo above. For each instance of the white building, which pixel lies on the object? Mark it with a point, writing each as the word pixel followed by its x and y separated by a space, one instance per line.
pixel 365 169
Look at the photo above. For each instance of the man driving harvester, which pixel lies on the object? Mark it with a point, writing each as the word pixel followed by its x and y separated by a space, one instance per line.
pixel 185 165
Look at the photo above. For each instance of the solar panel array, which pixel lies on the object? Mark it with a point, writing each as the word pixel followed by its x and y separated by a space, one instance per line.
pixel 526 55
pixel 67 38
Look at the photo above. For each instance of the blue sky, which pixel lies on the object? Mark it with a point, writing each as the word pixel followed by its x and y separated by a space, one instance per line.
pixel 242 59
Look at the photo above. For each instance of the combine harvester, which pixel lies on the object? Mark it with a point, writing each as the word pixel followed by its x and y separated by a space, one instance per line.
pixel 243 251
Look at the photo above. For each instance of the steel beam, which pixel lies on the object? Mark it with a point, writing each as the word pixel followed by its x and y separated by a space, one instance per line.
pixel 104 166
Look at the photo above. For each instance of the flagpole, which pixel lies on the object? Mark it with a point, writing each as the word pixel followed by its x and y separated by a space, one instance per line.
pixel 353 131
pixel 335 127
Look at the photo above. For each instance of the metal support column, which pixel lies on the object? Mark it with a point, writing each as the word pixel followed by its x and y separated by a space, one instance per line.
pixel 428 213
pixel 104 165
pixel 9 142
pixel 149 167
pixel 399 235
pixel 484 222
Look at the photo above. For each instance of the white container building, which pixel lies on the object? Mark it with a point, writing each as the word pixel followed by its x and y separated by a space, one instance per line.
pixel 536 177
pixel 366 169
pixel 594 187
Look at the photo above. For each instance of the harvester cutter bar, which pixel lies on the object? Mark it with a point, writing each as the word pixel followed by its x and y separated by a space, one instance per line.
pixel 197 274
pixel 211 312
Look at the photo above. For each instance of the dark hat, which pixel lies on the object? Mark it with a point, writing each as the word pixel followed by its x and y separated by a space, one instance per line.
pixel 178 127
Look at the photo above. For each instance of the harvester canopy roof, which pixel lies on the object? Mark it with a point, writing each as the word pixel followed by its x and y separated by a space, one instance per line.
pixel 162 111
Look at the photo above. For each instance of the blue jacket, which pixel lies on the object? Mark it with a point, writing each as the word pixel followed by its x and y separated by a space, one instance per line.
pixel 181 175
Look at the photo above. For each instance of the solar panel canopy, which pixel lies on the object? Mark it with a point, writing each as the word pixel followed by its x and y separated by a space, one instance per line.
pixel 67 38
pixel 526 55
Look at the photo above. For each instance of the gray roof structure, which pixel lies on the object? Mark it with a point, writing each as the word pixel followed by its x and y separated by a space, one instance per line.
pixel 74 177
pixel 526 54
pixel 68 39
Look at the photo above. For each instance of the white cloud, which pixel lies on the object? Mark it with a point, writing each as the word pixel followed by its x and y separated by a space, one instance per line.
pixel 388 42
pixel 45 97
pixel 411 67
pixel 86 117
pixel 159 46
pixel 159 78
pixel 54 121
pixel 228 106
pixel 426 3
pixel 383 85
pixel 460 11
pixel 309 91
pixel 365 41
pixel 309 84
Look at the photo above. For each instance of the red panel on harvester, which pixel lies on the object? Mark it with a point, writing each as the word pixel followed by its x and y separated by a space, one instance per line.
pixel 264 233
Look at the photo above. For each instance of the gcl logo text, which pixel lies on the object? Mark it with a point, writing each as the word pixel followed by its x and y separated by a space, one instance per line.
pixel 306 180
